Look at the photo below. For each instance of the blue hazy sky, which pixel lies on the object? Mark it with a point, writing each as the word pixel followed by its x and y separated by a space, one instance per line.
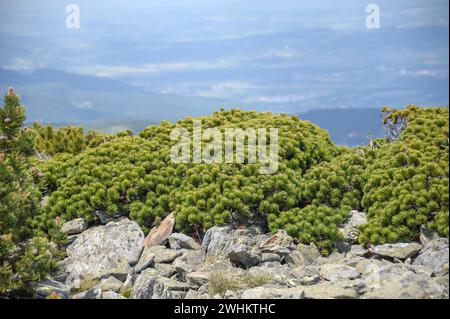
pixel 280 55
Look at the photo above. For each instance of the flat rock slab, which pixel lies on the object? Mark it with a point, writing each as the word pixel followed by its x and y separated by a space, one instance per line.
pixel 401 251
pixel 319 291
pixel 104 250
pixel 335 272
pixel 399 281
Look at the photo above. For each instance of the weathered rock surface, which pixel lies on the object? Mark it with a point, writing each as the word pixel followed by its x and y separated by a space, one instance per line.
pixel 146 259
pixel 165 270
pixel 106 218
pixel 397 281
pixel 401 251
pixel 48 287
pixel 181 241
pixel 160 234
pixel 304 255
pixel 104 250
pixel 197 278
pixel 435 256
pixel 318 291
pixel 74 226
pixel 150 285
pixel 335 272
pixel 147 286
pixel 110 284
pixel 249 263
pixel 243 256
pixel 427 235
pixel 189 262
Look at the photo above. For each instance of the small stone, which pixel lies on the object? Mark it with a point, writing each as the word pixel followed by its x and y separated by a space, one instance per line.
pixel 359 251
pixel 196 279
pixel 75 226
pixel 106 218
pixel 111 284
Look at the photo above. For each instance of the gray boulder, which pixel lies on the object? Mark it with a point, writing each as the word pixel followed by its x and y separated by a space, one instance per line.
pixel 93 293
pixel 242 255
pixel 400 251
pixel 398 281
pixel 196 279
pixel 358 251
pixel 189 262
pixel 435 256
pixel 217 243
pixel 208 237
pixel 150 285
pixel 326 290
pixel 304 255
pixel 147 286
pixel 165 270
pixel 336 272
pixel 104 251
pixel 181 241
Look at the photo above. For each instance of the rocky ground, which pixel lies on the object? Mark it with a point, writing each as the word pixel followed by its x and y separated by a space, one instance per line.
pixel 116 261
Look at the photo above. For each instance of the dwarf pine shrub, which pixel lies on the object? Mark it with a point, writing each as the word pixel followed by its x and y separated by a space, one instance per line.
pixel 407 183
pixel 401 181
pixel 23 257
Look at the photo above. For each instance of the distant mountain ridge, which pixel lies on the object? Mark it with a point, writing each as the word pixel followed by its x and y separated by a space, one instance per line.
pixel 58 97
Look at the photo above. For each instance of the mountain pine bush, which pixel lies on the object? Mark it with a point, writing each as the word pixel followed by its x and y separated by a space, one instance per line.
pixel 327 194
pixel 400 181
pixel 407 184
pixel 135 176
pixel 23 258
pixel 68 139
